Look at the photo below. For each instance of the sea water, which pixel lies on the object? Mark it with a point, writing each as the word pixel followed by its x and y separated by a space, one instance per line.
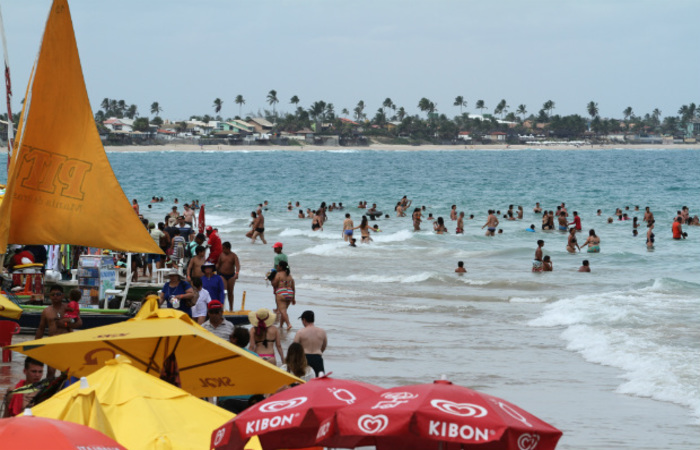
pixel 604 355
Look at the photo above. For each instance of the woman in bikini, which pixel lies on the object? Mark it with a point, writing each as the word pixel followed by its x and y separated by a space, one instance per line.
pixel 545 221
pixel 439 226
pixel 364 230
pixel 572 245
pixel 593 242
pixel 650 235
pixel 264 336
pixel 283 285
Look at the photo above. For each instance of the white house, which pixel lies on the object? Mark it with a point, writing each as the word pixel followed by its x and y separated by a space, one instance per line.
pixel 122 125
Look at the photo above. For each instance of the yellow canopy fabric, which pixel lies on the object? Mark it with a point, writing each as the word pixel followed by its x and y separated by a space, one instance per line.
pixel 208 366
pixel 61 188
pixel 143 412
pixel 9 309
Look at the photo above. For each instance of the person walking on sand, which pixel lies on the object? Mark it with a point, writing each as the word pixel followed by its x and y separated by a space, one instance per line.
pixel 229 266
pixel 572 245
pixel 264 335
pixel 283 285
pixel 348 227
pixel 314 341
pixel 491 224
pixel 537 262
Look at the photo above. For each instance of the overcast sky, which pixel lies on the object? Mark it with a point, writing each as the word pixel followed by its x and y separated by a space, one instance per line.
pixel 184 54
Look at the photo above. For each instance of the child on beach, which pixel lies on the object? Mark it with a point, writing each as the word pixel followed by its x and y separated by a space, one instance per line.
pixel 547 264
pixel 460 268
pixel 584 267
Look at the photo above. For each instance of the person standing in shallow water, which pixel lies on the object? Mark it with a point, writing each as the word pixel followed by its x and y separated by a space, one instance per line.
pixel 572 245
pixel 416 216
pixel 491 224
pixel 348 227
pixel 593 242
pixel 537 262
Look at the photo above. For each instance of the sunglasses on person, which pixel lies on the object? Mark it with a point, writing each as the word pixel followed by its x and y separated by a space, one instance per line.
pixel 215 311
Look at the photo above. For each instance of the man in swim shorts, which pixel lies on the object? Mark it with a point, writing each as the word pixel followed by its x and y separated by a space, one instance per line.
pixel 347 228
pixel 228 267
pixel 491 224
pixel 314 341
pixel 460 223
pixel 537 262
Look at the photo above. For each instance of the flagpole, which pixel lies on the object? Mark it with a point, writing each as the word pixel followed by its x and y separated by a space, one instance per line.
pixel 8 91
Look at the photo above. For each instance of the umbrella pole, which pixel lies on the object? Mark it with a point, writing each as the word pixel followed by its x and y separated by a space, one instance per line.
pixel 153 355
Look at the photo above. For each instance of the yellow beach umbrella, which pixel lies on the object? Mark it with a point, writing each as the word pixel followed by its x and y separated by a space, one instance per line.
pixel 9 309
pixel 143 412
pixel 208 366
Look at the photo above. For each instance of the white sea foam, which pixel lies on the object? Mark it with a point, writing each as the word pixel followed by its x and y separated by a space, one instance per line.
pixel 374 278
pixel 294 232
pixel 628 330
pixel 527 299
pixel 399 236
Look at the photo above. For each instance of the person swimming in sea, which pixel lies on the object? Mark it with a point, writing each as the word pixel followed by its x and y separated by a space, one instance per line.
pixel 537 262
pixel 460 268
pixel 650 235
pixel 593 242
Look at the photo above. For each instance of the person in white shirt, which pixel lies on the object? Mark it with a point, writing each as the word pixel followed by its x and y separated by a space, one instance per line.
pixel 199 310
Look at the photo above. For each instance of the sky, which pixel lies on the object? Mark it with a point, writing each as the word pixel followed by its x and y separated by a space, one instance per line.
pixel 643 54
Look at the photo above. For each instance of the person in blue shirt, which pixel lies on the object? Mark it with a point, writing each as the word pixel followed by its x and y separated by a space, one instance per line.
pixel 213 283
pixel 178 289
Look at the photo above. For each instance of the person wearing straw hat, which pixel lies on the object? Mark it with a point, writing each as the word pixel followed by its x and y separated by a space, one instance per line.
pixel 264 335
pixel 177 293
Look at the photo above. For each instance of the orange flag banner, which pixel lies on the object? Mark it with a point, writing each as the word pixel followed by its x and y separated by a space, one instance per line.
pixel 61 188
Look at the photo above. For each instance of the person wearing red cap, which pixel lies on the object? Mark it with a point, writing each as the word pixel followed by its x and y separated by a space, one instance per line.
pixel 279 256
pixel 214 243
pixel 216 323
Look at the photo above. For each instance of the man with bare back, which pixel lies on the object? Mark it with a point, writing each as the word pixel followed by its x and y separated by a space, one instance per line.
pixel 228 267
pixel 491 224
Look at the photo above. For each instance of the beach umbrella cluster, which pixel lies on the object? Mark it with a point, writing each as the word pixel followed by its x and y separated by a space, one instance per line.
pixel 341 414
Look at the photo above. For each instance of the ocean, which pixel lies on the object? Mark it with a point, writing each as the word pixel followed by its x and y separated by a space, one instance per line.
pixel 610 357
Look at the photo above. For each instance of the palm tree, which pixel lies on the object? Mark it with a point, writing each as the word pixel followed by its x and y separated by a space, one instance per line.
pixel 522 110
pixel 401 113
pixel 656 113
pixel 105 104
pixel 218 103
pixel 387 104
pixel 155 108
pixel 272 100
pixel 592 109
pixel 121 107
pixel 501 108
pixel 294 100
pixel 359 110
pixel 481 106
pixel 459 101
pixel 345 112
pixel 132 111
pixel 330 111
pixel 240 101
pixel 548 106
pixel 628 112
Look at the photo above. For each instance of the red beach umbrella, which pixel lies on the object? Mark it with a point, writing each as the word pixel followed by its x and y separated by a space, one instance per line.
pixel 39 432
pixel 290 419
pixel 437 416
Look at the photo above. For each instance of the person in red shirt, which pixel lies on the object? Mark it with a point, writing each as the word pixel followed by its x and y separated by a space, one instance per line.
pixel 577 222
pixel 677 229
pixel 215 246
pixel 33 372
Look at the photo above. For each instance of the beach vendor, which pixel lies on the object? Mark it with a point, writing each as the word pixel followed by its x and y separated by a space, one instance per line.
pixel 214 243
pixel 16 403
pixel 177 293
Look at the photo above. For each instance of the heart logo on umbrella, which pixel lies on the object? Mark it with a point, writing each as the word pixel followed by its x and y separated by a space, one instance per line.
pixel 528 441
pixel 372 424
pixel 281 405
pixel 459 409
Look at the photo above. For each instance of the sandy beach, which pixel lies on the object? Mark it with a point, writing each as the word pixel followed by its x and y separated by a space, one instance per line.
pixel 385 147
